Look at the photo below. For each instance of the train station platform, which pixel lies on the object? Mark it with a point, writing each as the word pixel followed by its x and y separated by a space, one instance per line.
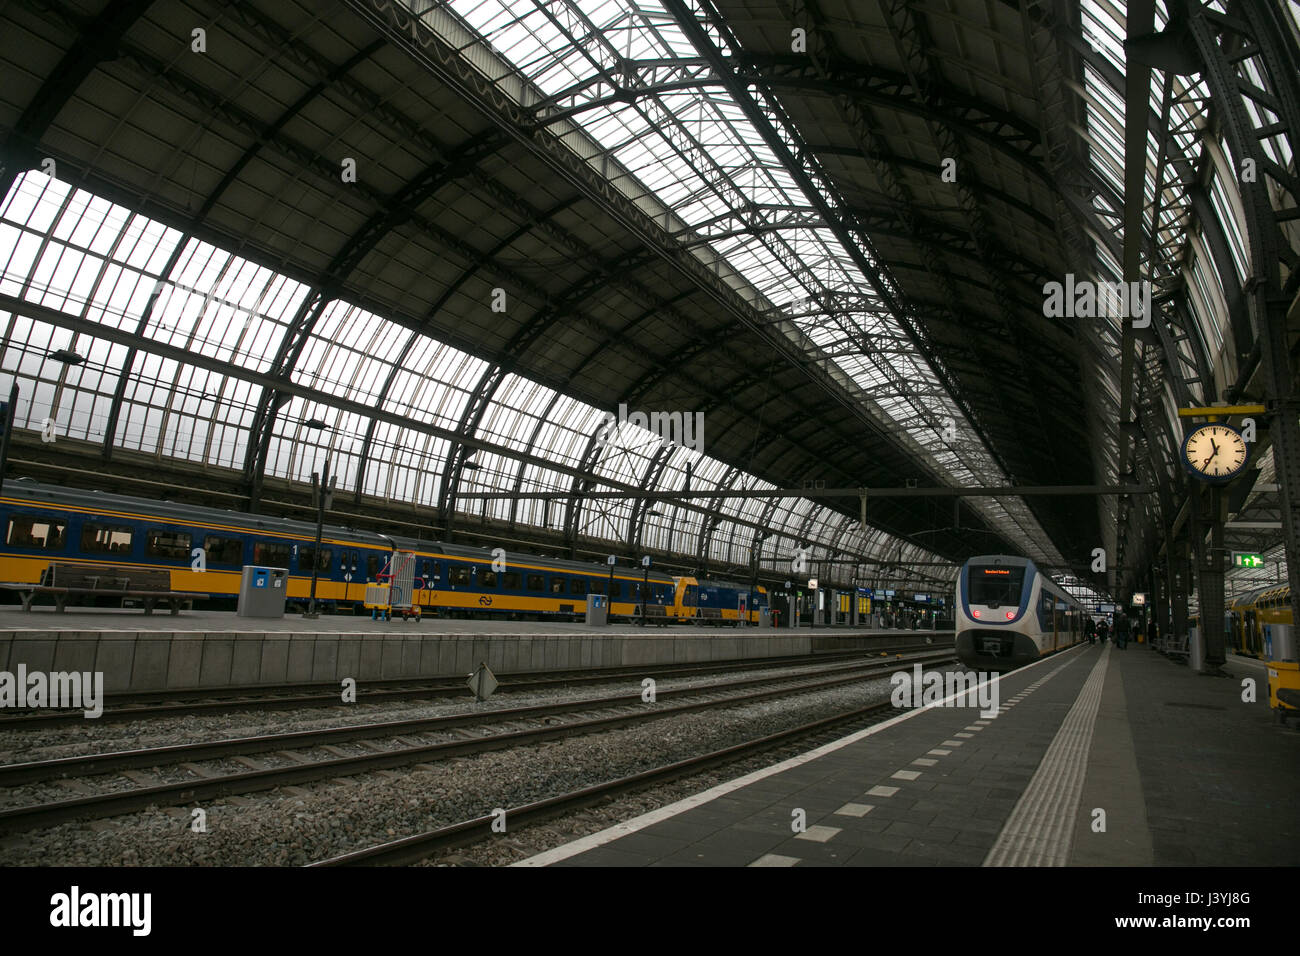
pixel 1096 757
pixel 218 649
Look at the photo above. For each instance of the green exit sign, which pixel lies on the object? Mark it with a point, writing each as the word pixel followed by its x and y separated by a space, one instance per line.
pixel 1244 559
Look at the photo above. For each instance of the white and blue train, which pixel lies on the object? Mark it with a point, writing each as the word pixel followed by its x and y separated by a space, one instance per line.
pixel 1009 613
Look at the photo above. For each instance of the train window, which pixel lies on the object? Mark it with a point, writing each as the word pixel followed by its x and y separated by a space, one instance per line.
pixel 577 585
pixel 597 586
pixel 536 582
pixel 616 590
pixel 174 545
pixel 459 574
pixel 307 553
pixel 373 564
pixel 487 579
pixel 511 581
pixel 273 554
pixel 221 550
pixel 36 531
pixel 426 570
pixel 105 538
pixel 995 586
pixel 557 584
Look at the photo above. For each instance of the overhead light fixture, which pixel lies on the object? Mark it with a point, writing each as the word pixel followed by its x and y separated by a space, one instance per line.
pixel 470 466
pixel 67 357
pixel 316 423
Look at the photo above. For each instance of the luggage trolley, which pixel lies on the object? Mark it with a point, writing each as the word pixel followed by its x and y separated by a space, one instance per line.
pixel 393 592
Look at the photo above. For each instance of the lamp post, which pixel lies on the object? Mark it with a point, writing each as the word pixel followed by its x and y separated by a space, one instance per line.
pixel 609 591
pixel 322 493
pixel 645 586
pixel 756 554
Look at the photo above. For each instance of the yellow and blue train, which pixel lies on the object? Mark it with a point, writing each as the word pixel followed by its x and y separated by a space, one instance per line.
pixel 205 550
pixel 1249 613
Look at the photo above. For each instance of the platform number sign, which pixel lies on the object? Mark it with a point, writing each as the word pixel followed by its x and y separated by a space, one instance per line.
pixel 1244 559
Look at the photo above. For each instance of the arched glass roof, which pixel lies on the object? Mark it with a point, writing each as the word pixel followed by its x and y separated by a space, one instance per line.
pixel 83 257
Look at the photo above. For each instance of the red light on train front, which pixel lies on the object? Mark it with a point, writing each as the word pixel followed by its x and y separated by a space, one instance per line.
pixel 975 612
pixel 1011 615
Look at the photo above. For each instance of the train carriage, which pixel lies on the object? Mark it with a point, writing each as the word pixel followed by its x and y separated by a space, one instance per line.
pixel 205 549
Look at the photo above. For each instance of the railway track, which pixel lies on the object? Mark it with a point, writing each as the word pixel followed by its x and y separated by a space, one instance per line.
pixel 198 701
pixel 414 849
pixel 202 783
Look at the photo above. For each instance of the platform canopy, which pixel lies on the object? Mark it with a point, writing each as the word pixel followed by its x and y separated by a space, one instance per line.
pixel 444 240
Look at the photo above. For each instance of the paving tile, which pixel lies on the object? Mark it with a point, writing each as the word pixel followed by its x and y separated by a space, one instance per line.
pixel 818 834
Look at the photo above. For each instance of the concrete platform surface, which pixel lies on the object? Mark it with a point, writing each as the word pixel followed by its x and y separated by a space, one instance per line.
pixel 1097 757
pixel 13 618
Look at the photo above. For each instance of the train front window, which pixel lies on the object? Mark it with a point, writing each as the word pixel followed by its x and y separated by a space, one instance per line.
pixel 173 545
pixel 35 531
pixel 105 538
pixel 994 587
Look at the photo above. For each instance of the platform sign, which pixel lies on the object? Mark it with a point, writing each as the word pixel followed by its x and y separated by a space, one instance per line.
pixel 1245 559
pixel 1105 609
pixel 482 682
pixel 812 584
pixel 1139 600
pixel 921 598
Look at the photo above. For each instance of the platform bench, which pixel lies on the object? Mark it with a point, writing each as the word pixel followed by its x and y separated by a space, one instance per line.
pixel 1176 648
pixel 62 580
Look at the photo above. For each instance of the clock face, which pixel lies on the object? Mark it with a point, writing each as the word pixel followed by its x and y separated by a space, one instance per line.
pixel 1215 452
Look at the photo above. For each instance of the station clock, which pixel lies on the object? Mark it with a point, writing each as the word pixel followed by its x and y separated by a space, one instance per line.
pixel 1215 452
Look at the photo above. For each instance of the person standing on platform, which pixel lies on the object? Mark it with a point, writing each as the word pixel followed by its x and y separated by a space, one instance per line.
pixel 1103 630
pixel 1121 631
pixel 1151 630
pixel 1090 630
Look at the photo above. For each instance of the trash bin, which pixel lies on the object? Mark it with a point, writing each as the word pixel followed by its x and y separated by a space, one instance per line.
pixel 1195 649
pixel 262 591
pixel 597 609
